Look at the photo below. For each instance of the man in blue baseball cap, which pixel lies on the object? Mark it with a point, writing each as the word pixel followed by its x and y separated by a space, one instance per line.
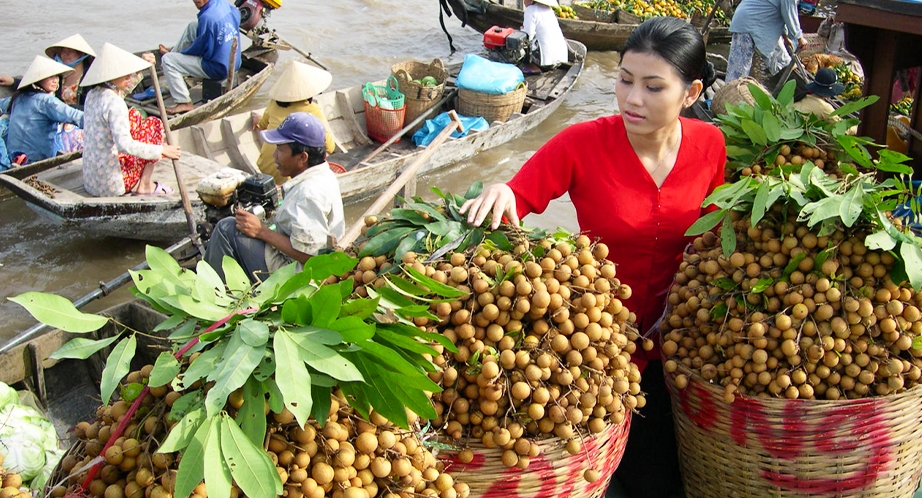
pixel 310 217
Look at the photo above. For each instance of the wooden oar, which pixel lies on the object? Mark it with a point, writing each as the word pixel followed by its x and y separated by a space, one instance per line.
pixel 410 126
pixel 706 29
pixel 410 172
pixel 104 290
pixel 306 55
pixel 186 203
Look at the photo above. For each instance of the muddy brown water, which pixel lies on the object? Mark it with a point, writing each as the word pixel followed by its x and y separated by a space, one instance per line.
pixel 357 40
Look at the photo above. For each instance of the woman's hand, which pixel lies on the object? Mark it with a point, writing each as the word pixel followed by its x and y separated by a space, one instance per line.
pixel 149 57
pixel 255 117
pixel 802 43
pixel 6 80
pixel 498 199
pixel 171 151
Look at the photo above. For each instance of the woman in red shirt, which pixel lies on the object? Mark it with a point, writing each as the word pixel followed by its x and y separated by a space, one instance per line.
pixel 637 180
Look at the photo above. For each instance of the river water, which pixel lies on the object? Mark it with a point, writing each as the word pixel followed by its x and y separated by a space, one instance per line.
pixel 358 40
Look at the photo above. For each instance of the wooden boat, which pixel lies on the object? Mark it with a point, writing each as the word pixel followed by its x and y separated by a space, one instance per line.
pixel 68 390
pixel 255 68
pixel 482 15
pixel 58 192
pixel 230 140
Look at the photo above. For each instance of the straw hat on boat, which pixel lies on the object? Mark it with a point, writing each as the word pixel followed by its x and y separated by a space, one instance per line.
pixel 299 82
pixel 75 42
pixel 112 63
pixel 549 3
pixel 41 68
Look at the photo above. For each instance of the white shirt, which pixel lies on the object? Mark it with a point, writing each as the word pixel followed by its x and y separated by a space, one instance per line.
pixel 311 211
pixel 541 26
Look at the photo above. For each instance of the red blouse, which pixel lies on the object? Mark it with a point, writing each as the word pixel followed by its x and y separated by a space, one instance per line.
pixel 617 201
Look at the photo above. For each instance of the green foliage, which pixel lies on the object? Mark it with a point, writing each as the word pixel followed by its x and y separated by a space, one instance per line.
pixel 290 339
pixel 825 203
pixel 435 229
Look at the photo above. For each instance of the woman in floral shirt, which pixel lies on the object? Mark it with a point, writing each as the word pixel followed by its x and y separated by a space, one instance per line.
pixel 108 168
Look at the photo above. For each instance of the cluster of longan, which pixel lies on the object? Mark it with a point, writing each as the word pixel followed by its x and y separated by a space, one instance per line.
pixel 350 457
pixel 793 314
pixel 544 345
pixel 10 484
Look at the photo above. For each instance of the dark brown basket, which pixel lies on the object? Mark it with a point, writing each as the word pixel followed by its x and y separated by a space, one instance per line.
pixel 553 473
pixel 625 17
pixel 492 107
pixel 419 98
pixel 597 15
pixel 776 447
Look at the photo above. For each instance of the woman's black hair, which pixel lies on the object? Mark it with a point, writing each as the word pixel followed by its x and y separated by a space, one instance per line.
pixel 676 41
pixel 315 155
pixel 33 88
pixel 283 104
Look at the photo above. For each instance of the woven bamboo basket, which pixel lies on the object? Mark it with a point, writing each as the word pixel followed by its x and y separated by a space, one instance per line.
pixel 734 92
pixel 492 107
pixel 775 447
pixel 553 473
pixel 419 98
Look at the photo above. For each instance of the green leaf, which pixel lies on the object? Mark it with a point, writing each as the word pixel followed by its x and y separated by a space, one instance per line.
pixel 202 365
pixel 194 400
pixel 500 239
pixel 298 311
pixel 192 464
pixel 208 283
pixel 165 369
pixel 727 236
pixel 249 465
pixel 385 242
pixel 880 241
pixel 786 95
pixel 276 403
pixel 170 323
pixel 761 98
pixel 772 128
pixel 435 287
pixel 269 288
pixel 475 189
pixel 326 303
pixel 822 209
pixel 719 310
pixel 794 263
pixel 79 348
pixel 117 366
pixel 234 276
pixel 292 376
pixel 181 434
pixel 199 309
pixel 184 332
pixel 791 133
pixel 334 263
pixel 754 132
pixel 760 203
pixel 762 284
pixel 217 474
pixel 253 332
pixel 851 207
pixel 912 259
pixel 705 223
pixel 322 404
pixel 330 337
pixel 161 262
pixel 352 329
pixel 388 357
pixel 724 283
pixel 252 414
pixel 325 359
pixel 407 287
pixel 58 312
pixel 237 364
pixel 854 106
pixel 358 308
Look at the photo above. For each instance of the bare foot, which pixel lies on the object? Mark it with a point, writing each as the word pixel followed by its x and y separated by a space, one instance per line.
pixel 164 49
pixel 180 108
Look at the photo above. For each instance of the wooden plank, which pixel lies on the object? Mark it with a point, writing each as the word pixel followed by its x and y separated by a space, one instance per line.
pixel 239 161
pixel 344 102
pixel 201 145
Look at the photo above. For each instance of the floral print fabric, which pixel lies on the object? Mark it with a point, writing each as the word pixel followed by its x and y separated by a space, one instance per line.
pixel 107 132
pixel 148 130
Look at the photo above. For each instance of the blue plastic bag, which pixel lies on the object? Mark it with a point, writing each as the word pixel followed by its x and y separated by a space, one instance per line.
pixel 432 127
pixel 485 76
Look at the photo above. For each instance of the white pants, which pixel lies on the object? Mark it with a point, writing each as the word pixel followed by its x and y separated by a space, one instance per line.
pixel 176 65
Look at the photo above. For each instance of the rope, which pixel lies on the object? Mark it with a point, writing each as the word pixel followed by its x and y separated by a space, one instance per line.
pixel 445 9
pixel 903 128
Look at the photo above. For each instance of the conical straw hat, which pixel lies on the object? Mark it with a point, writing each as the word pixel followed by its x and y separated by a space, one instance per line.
pixel 549 3
pixel 112 63
pixel 41 68
pixel 299 82
pixel 75 42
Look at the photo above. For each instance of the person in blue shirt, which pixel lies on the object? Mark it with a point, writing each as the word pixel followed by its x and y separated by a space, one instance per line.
pixel 758 25
pixel 203 50
pixel 35 112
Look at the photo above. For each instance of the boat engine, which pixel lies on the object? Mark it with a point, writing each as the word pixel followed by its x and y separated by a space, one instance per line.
pixel 229 189
pixel 506 45
pixel 253 17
